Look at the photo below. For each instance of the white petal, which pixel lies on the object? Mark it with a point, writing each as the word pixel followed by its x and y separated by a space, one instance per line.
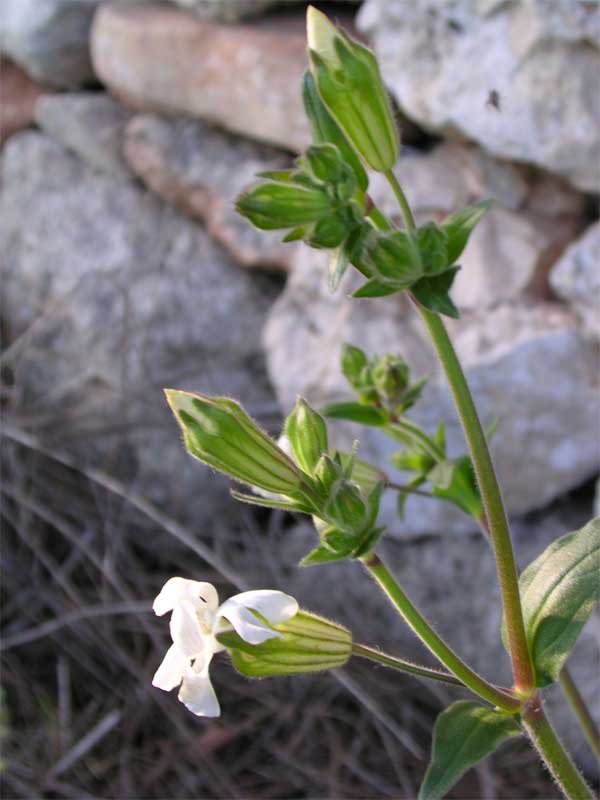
pixel 198 695
pixel 186 631
pixel 272 605
pixel 180 590
pixel 171 670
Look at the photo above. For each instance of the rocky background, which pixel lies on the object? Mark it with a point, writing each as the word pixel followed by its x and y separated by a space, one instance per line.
pixel 127 129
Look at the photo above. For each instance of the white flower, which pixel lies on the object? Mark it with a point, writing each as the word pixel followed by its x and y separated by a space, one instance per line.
pixel 195 619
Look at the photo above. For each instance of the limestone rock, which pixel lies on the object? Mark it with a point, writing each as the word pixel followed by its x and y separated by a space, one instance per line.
pixel 118 296
pixel 541 59
pixel 201 170
pixel 242 78
pixel 576 278
pixel 19 94
pixel 90 124
pixel 527 365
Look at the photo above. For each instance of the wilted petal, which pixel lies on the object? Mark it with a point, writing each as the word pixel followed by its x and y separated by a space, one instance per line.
pixel 186 631
pixel 171 670
pixel 197 693
pixel 274 606
pixel 181 590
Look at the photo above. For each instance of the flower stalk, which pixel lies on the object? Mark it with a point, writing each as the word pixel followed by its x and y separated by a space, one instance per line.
pixel 415 620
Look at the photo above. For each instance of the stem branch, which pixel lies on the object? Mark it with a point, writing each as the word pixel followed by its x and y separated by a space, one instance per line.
pixel 434 642
pixel 405 666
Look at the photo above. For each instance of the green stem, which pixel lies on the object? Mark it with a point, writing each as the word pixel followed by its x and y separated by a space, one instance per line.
pixel 582 712
pixel 403 429
pixel 402 201
pixel 401 487
pixel 549 746
pixel 497 522
pixel 434 642
pixel 379 219
pixel 405 666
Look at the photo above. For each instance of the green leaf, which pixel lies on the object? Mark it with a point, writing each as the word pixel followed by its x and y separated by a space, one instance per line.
pixel 441 475
pixel 462 490
pixel 431 241
pixel 354 362
pixel 458 227
pixel 321 555
pixel 355 412
pixel 338 264
pixel 558 592
pixel 374 288
pixel 432 293
pixel 464 733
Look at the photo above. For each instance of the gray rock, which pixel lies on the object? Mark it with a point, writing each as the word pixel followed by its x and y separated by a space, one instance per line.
pixel 527 365
pixel 225 10
pixel 49 39
pixel 576 278
pixel 89 124
pixel 202 169
pixel 542 60
pixel 117 296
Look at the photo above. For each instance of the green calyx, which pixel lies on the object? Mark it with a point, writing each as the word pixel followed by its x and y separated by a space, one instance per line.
pixel 218 431
pixel 349 83
pixel 306 643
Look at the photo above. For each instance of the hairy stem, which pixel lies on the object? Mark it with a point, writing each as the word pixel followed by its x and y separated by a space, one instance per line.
pixel 496 519
pixel 405 666
pixel 402 201
pixel 415 620
pixel 549 746
pixel 582 712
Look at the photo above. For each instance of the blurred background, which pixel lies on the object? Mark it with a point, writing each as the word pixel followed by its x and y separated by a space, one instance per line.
pixel 128 128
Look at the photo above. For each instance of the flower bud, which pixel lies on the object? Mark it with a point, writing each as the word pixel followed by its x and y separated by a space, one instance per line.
pixel 348 81
pixel 307 643
pixel 327 472
pixel 395 259
pixel 326 130
pixel 218 431
pixel 307 434
pixel 273 204
pixel 345 508
pixel 391 375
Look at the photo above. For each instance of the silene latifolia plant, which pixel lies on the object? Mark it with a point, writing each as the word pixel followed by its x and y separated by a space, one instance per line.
pixel 324 201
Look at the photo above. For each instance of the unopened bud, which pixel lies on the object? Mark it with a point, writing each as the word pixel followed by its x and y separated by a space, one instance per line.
pixel 345 508
pixel 349 83
pixel 391 375
pixel 218 431
pixel 307 434
pixel 307 643
pixel 273 205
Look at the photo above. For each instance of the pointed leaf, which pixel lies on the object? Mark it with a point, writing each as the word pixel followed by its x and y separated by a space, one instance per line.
pixel 266 502
pixel 464 733
pixel 355 412
pixel 463 490
pixel 338 264
pixel 558 592
pixel 321 555
pixel 458 227
pixel 432 293
pixel 375 289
